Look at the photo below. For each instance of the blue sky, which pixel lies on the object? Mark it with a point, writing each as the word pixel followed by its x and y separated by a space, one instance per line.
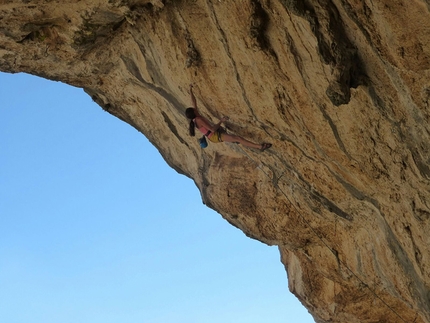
pixel 96 228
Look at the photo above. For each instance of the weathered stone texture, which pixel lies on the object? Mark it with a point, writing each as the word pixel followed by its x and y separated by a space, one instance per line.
pixel 341 88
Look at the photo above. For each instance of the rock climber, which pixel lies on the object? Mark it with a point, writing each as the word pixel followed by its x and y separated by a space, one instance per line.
pixel 215 133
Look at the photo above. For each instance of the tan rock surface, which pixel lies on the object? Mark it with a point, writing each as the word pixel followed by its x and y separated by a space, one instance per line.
pixel 341 88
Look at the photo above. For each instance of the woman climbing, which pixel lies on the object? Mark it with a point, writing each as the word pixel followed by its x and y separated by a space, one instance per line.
pixel 215 133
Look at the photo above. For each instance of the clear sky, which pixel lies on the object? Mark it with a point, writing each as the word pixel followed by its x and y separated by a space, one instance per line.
pixel 96 228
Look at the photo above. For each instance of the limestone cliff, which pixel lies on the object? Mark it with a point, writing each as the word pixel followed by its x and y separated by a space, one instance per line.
pixel 341 88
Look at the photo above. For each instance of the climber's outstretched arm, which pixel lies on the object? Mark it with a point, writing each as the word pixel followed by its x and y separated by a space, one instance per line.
pixel 193 98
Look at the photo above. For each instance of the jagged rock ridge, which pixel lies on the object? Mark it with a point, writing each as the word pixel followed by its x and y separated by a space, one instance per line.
pixel 340 87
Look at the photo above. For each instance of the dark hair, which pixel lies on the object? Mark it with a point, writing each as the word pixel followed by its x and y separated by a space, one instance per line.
pixel 191 114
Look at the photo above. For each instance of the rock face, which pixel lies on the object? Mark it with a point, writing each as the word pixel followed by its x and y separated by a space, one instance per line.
pixel 341 88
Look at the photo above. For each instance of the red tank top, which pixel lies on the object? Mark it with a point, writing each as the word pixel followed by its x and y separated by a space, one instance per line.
pixel 203 130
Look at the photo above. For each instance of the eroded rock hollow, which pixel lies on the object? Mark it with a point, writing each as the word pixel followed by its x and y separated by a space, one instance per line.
pixel 341 88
